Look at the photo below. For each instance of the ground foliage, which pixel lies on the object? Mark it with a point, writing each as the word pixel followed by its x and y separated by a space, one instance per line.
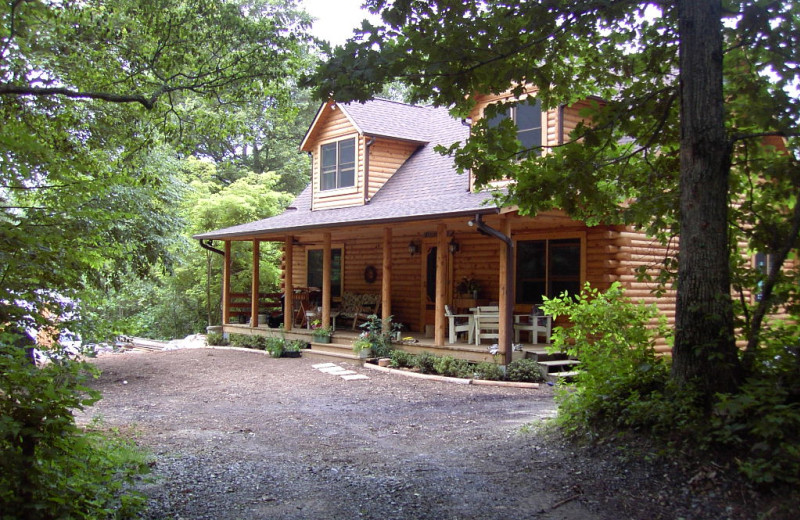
pixel 50 468
pixel 624 387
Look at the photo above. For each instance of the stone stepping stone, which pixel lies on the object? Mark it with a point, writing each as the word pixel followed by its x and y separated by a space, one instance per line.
pixel 335 370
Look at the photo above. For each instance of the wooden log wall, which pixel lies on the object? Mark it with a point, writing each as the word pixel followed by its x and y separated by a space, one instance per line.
pixel 385 157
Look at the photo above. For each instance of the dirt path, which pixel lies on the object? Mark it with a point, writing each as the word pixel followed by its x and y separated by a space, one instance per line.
pixel 240 435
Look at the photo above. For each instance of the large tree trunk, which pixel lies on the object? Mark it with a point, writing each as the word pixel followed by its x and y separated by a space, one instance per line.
pixel 705 350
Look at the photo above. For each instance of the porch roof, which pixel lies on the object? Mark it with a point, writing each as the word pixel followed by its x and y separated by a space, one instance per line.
pixel 426 186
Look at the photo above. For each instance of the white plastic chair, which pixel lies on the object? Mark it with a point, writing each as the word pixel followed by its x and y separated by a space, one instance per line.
pixel 459 323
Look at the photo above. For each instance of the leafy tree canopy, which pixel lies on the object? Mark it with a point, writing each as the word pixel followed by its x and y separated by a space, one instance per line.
pixel 98 100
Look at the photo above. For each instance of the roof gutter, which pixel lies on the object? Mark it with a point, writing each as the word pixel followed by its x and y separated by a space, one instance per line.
pixel 487 230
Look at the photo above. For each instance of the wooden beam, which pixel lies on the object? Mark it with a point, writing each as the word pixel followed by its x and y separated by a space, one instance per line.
pixel 505 295
pixel 288 284
pixel 226 284
pixel 442 279
pixel 386 276
pixel 326 280
pixel 254 285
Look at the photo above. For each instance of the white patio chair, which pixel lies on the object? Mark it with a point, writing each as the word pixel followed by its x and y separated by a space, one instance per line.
pixel 458 323
pixel 536 324
pixel 487 323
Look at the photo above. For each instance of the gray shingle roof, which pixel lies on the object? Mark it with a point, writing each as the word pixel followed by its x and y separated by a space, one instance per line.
pixel 425 186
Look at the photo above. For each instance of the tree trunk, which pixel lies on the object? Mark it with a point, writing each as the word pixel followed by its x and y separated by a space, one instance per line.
pixel 705 350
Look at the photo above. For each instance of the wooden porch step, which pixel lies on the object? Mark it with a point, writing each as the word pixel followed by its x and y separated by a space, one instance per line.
pixel 559 362
pixel 557 376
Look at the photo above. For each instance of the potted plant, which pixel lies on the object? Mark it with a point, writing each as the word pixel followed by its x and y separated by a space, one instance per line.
pixel 363 347
pixel 469 286
pixel 292 349
pixel 275 346
pixel 319 333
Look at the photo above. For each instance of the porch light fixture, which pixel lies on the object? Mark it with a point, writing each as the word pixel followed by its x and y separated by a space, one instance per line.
pixel 453 246
pixel 413 248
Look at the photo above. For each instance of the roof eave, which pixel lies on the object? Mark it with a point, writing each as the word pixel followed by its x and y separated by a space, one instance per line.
pixel 278 234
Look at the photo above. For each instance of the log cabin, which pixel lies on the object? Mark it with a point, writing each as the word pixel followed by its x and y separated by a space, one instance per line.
pixel 386 215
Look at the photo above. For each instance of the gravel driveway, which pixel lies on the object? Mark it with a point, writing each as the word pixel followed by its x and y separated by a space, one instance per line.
pixel 237 434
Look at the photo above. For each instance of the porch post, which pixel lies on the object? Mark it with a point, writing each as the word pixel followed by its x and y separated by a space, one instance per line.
pixel 226 284
pixel 505 296
pixel 386 277
pixel 441 283
pixel 254 286
pixel 326 280
pixel 288 286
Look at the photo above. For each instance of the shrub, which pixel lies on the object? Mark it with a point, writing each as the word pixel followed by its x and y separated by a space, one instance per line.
pixel 622 383
pixel 451 367
pixel 425 362
pixel 380 340
pixel 489 371
pixel 525 370
pixel 402 359
pixel 217 339
pixel 275 345
pixel 50 468
pixel 248 341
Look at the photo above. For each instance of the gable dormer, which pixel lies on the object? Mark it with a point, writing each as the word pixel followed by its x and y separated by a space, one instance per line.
pixel 356 148
pixel 535 126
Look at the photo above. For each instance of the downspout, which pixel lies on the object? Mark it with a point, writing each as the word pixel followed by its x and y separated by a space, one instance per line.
pixel 487 230
pixel 561 123
pixel 366 168
pixel 209 247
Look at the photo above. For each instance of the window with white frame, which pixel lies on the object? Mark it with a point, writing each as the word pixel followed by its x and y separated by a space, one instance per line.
pixel 338 168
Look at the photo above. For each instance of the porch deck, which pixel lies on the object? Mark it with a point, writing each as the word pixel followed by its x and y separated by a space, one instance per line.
pixel 342 344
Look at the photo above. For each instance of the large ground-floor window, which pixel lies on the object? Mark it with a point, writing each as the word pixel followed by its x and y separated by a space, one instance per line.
pixel 547 268
pixel 314 278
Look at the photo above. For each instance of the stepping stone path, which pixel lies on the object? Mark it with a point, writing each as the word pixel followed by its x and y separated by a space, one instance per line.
pixel 336 370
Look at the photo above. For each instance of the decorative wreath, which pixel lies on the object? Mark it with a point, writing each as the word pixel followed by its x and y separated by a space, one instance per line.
pixel 370 274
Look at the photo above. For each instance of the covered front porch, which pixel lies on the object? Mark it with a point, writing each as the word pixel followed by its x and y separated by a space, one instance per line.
pixel 414 272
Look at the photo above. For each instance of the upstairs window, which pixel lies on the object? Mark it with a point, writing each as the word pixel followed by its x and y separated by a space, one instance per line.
pixel 338 165
pixel 527 116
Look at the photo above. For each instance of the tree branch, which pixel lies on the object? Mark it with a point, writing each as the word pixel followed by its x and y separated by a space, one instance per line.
pixel 15 90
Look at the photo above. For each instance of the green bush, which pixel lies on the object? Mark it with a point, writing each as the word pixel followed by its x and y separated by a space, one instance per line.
pixel 425 362
pixel 451 367
pixel 50 468
pixel 761 423
pixel 248 341
pixel 401 359
pixel 622 382
pixel 217 339
pixel 526 371
pixel 488 371
pixel 275 345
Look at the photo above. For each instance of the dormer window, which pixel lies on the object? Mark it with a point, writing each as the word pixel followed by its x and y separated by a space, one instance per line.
pixel 527 116
pixel 338 165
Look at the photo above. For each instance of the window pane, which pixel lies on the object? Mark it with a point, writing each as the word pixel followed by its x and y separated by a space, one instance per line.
pixel 502 115
pixel 328 157
pixel 531 274
pixel 347 152
pixel 565 258
pixel 314 268
pixel 528 116
pixel 347 178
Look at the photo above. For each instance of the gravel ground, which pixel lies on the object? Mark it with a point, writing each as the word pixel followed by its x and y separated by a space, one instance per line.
pixel 237 434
